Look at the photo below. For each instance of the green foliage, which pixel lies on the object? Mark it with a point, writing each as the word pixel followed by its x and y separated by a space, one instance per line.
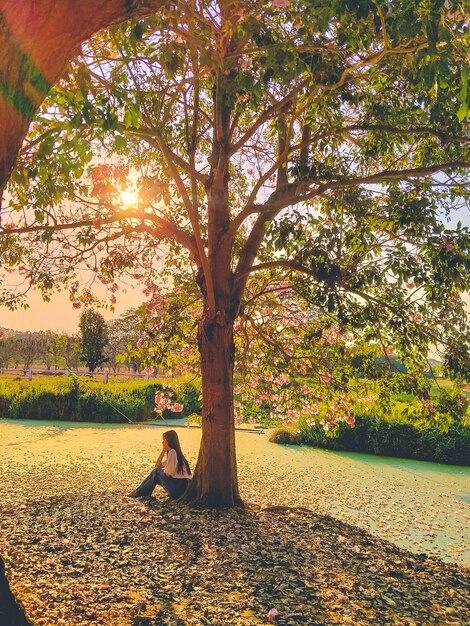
pixel 284 436
pixel 194 419
pixel 389 438
pixel 188 393
pixel 72 399
pixel 58 400
pixel 93 339
pixel 457 361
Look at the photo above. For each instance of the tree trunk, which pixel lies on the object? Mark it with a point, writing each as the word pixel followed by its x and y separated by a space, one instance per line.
pixel 37 38
pixel 215 483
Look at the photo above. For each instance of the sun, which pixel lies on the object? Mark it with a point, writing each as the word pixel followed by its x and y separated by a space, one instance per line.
pixel 129 198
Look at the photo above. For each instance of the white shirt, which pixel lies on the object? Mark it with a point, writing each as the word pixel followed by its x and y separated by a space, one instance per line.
pixel 170 466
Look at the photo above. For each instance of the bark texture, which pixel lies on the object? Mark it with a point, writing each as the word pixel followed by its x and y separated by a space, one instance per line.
pixel 37 38
pixel 215 482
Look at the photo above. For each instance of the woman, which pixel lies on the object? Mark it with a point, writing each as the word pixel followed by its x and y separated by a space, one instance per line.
pixel 172 473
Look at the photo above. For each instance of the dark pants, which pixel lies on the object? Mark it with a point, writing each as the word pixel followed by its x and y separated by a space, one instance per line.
pixel 175 487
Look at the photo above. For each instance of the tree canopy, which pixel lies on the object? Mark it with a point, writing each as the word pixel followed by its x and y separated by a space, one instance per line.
pixel 253 149
pixel 93 339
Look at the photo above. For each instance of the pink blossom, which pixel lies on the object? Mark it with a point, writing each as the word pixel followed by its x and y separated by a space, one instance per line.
pixel 282 379
pixel 450 247
pixel 139 344
pixel 176 408
pixel 245 63
pixel 326 378
pixel 280 4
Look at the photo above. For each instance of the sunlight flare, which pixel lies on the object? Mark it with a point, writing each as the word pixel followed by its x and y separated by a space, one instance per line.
pixel 129 198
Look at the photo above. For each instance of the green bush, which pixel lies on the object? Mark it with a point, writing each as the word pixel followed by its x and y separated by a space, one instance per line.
pixel 189 395
pixel 388 438
pixel 194 420
pixel 89 400
pixel 42 404
pixel 284 436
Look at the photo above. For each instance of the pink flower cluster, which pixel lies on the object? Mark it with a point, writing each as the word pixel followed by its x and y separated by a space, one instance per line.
pixel 331 335
pixel 428 406
pixel 164 401
pixel 335 416
pixel 287 401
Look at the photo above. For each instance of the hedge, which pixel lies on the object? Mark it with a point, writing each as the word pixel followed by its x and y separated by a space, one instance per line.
pixel 90 401
pixel 388 438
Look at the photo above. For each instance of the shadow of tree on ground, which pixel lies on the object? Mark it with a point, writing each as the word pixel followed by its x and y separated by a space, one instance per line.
pixel 102 558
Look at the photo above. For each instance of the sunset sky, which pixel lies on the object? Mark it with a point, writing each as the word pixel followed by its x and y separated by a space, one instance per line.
pixel 58 314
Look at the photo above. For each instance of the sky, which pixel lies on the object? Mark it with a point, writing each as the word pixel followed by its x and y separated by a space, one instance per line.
pixel 59 315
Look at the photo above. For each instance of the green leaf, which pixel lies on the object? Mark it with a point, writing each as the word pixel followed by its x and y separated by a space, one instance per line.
pixel 462 112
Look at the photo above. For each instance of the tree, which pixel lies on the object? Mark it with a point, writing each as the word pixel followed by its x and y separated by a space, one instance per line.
pixel 70 349
pixel 30 347
pixel 37 38
pixel 8 349
pixel 267 141
pixel 122 338
pixel 93 339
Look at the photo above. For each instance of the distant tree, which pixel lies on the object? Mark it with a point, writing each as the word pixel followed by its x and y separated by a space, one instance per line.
pixel 29 347
pixel 122 337
pixel 70 349
pixel 51 355
pixel 8 351
pixel 93 339
pixel 60 350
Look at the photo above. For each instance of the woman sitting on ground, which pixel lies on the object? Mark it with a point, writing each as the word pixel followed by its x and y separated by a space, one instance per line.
pixel 171 473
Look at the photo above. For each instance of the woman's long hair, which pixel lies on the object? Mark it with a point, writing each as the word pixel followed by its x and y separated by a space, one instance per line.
pixel 171 437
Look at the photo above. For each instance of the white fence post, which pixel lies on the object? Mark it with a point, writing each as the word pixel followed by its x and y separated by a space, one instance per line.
pixel 105 376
